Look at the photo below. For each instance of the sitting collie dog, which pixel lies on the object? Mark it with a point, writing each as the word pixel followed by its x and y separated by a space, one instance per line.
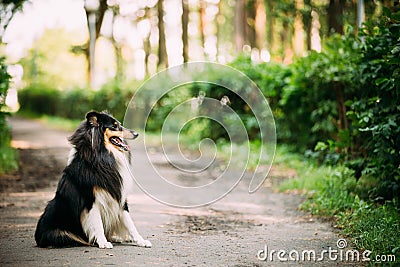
pixel 90 205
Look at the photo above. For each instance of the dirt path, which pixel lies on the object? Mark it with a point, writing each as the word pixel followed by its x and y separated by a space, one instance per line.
pixel 230 232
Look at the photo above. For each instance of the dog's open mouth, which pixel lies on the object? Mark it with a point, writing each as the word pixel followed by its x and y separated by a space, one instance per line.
pixel 116 141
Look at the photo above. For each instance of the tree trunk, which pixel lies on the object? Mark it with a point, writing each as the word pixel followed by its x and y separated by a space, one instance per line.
pixel 335 16
pixel 119 61
pixel 343 123
pixel 360 13
pixel 146 43
pixel 250 13
pixel 286 40
pixel 202 13
pixel 185 22
pixel 298 39
pixel 239 24
pixel 270 24
pixel 341 106
pixel 307 22
pixel 218 27
pixel 260 23
pixel 162 48
pixel 89 50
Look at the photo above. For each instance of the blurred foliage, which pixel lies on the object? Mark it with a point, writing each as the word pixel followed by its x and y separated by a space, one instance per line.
pixel 343 104
pixel 317 90
pixel 40 99
pixel 375 110
pixel 270 78
pixel 8 160
pixel 164 106
pixel 50 61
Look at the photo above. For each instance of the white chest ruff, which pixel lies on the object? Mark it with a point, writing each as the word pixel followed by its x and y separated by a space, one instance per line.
pixel 106 208
pixel 109 209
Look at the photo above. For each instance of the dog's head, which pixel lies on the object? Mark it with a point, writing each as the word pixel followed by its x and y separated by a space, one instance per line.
pixel 113 133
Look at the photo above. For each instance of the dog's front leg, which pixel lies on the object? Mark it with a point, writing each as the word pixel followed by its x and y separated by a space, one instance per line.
pixel 130 226
pixel 93 227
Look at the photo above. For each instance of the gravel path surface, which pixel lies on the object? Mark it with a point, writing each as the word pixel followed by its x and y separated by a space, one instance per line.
pixel 231 232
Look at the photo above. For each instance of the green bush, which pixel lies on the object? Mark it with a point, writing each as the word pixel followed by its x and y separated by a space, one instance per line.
pixel 39 99
pixel 375 110
pixel 342 105
pixel 113 98
pixel 270 79
pixel 315 97
pixel 8 160
pixel 73 103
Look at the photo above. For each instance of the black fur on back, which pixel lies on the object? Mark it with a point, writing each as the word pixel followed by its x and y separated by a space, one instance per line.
pixel 92 166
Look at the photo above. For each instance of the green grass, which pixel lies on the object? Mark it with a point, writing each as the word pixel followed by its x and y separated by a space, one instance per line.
pixel 334 193
pixel 8 155
pixel 8 159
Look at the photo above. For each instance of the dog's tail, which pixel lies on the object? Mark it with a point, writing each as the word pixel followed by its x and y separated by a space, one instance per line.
pixel 59 238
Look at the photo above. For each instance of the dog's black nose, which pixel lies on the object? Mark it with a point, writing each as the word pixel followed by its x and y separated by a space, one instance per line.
pixel 135 134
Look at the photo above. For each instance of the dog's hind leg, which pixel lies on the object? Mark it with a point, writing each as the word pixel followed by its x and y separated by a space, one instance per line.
pixel 93 227
pixel 130 226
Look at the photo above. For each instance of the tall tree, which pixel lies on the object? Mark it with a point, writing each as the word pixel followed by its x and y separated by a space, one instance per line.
pixel 335 16
pixel 162 48
pixel 250 13
pixel 269 11
pixel 185 23
pixel 259 24
pixel 298 38
pixel 146 41
pixel 360 13
pixel 119 61
pixel 239 24
pixel 87 49
pixel 202 14
pixel 307 22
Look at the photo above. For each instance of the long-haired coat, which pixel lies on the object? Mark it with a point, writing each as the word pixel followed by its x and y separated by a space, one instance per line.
pixel 90 203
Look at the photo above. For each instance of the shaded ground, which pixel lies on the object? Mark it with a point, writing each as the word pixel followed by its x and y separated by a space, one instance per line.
pixel 227 233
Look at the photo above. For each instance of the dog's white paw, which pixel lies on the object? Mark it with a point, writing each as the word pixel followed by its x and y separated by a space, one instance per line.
pixel 105 245
pixel 143 243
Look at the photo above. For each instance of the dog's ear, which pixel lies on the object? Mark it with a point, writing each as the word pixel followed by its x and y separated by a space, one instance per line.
pixel 92 118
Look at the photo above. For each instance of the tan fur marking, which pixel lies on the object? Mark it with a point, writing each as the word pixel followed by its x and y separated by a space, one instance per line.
pixel 107 135
pixel 76 238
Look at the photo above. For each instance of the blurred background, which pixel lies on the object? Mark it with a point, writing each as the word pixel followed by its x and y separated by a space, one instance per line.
pixel 52 41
